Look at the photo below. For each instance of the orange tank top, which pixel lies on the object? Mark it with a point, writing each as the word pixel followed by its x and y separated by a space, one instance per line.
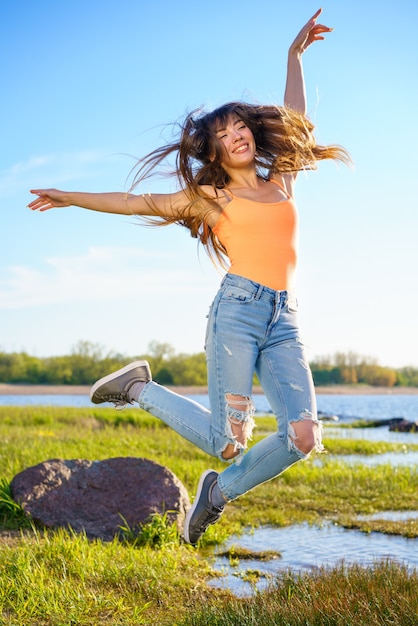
pixel 261 240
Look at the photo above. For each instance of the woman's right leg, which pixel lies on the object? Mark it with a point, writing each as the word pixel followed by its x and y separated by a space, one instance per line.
pixel 133 383
pixel 188 418
pixel 222 431
pixel 231 353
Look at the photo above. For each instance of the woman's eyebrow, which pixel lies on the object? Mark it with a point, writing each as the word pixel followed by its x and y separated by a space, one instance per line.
pixel 238 121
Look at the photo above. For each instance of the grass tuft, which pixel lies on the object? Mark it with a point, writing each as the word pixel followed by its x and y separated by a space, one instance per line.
pixel 158 532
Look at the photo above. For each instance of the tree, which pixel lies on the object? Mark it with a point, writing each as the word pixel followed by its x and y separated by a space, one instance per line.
pixel 408 376
pixel 189 369
pixel 159 354
pixel 19 367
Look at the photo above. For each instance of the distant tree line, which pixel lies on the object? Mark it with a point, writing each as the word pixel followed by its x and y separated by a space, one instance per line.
pixel 88 362
pixel 352 369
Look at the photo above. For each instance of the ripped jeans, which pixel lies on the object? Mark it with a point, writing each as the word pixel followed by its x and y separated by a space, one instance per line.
pixel 251 328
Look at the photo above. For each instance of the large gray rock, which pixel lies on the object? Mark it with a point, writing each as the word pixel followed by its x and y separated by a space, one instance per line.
pixel 97 496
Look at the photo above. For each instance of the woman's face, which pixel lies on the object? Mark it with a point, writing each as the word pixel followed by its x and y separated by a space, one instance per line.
pixel 237 143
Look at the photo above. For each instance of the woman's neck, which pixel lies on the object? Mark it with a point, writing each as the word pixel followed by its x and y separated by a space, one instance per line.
pixel 244 179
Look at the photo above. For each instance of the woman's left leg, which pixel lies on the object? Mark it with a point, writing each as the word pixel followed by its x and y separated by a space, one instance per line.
pixel 285 376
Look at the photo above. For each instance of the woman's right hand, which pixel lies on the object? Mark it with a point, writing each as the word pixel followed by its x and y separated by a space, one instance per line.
pixel 48 199
pixel 310 33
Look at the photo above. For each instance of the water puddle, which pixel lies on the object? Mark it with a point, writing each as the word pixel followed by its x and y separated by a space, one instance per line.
pixel 390 516
pixel 385 458
pixel 305 548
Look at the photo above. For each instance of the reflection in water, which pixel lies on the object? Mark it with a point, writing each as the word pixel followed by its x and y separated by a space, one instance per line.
pixel 371 434
pixel 304 547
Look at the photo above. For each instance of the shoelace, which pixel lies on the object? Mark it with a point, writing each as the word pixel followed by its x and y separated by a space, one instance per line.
pixel 212 516
pixel 119 400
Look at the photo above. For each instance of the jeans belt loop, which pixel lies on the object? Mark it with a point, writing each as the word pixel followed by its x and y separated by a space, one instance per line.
pixel 259 292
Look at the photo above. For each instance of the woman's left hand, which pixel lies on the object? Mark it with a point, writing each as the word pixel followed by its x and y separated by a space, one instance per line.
pixel 308 34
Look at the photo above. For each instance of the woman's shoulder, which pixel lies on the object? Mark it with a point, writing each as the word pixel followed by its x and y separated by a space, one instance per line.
pixel 214 201
pixel 215 196
pixel 213 193
pixel 286 181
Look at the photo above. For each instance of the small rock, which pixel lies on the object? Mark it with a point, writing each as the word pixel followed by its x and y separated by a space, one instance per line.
pixel 327 417
pixel 403 426
pixel 98 497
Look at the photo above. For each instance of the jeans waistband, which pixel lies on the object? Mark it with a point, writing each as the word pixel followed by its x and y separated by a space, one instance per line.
pixel 259 291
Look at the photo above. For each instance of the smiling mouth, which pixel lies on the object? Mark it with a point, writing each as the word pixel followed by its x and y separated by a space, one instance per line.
pixel 242 148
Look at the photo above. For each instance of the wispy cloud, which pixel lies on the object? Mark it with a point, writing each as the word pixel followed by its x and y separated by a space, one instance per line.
pixel 102 273
pixel 55 169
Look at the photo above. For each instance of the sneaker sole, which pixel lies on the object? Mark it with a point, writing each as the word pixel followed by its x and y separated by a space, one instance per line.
pixel 123 370
pixel 193 507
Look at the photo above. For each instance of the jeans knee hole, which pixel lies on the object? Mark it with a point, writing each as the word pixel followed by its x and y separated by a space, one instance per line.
pixel 240 421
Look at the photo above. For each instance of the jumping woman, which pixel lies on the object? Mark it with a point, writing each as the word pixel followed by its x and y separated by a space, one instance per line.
pixel 236 168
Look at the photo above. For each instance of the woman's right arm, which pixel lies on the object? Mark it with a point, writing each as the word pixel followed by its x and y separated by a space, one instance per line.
pixel 295 96
pixel 114 202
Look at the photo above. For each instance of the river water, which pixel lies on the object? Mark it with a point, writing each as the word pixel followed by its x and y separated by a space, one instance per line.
pixel 347 407
pixel 305 547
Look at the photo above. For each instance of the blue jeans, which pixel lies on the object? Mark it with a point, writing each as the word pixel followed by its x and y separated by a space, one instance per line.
pixel 251 328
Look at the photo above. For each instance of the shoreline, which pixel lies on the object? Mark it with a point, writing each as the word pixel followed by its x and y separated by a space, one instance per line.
pixel 81 390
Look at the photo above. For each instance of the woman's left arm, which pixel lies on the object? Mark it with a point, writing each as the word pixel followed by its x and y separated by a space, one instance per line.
pixel 295 95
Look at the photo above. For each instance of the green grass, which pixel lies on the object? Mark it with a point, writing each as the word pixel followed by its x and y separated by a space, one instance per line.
pixel 342 596
pixel 61 578
pixel 58 578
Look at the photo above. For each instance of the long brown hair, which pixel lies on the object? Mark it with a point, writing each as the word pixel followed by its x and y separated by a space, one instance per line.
pixel 284 143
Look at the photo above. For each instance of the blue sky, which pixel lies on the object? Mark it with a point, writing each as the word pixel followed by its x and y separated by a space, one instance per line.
pixel 89 85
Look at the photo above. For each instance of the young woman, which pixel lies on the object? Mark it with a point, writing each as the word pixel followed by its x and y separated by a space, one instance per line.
pixel 236 166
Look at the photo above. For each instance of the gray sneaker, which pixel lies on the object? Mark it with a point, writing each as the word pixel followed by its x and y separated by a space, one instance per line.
pixel 203 513
pixel 115 387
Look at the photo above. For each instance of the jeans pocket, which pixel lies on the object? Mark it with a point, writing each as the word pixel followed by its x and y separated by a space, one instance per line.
pixel 237 294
